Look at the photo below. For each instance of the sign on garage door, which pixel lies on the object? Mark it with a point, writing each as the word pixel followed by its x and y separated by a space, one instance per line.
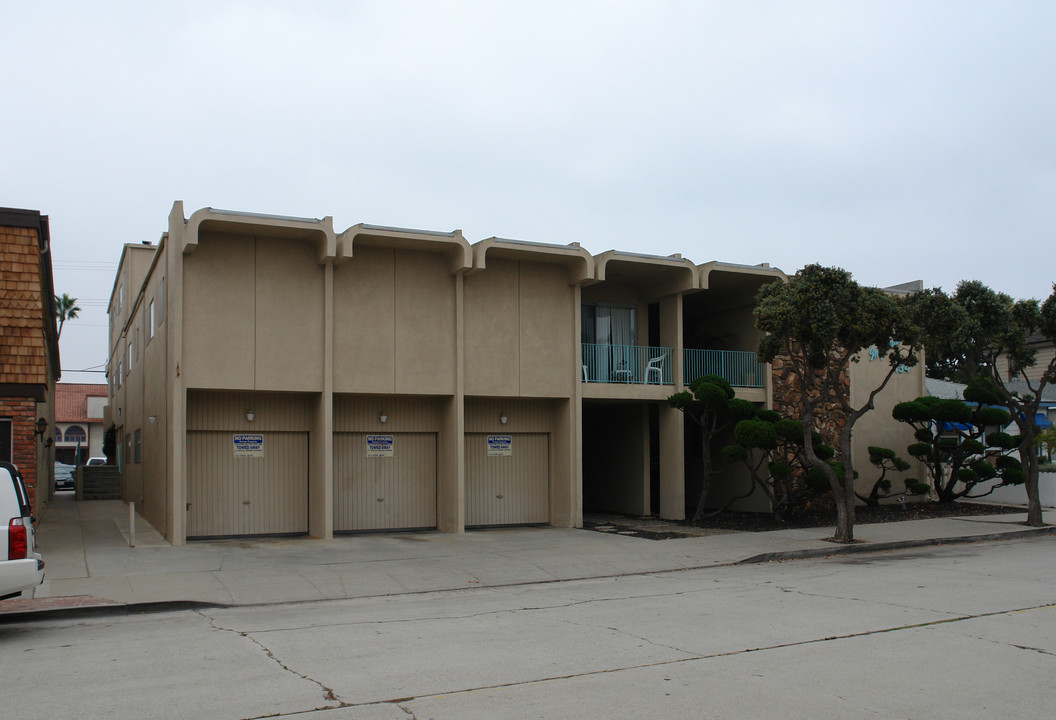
pixel 236 488
pixel 384 482
pixel 507 479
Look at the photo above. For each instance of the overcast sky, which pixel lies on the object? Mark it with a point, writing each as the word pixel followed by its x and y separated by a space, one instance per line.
pixel 899 140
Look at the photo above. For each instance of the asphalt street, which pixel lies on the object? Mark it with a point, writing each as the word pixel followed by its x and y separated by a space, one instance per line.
pixel 964 631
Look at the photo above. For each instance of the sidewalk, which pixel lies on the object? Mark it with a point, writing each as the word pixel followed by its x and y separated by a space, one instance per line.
pixel 91 568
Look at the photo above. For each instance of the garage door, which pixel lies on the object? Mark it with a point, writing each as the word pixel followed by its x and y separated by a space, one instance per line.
pixel 507 479
pixel 241 484
pixel 384 482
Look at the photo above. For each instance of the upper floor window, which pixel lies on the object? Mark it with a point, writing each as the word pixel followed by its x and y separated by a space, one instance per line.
pixel 75 434
pixel 120 296
pixel 150 320
pixel 608 324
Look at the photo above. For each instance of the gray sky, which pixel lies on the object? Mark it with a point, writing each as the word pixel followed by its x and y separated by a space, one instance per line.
pixel 899 140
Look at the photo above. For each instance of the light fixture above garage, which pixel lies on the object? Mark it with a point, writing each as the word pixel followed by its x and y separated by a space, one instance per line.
pixel 383 417
pixel 503 418
pixel 250 415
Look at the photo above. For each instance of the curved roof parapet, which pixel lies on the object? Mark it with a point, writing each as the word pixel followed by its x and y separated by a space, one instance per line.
pixel 247 223
pixel 579 262
pixel 452 244
pixel 763 270
pixel 657 275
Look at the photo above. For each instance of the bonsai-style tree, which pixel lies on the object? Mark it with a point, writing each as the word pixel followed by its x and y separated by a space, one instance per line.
pixel 961 445
pixel 821 320
pixel 711 405
pixel 771 447
pixel 887 460
pixel 65 309
pixel 985 335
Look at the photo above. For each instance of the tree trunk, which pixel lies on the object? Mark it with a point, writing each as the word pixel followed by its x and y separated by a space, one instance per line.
pixel 705 477
pixel 1029 458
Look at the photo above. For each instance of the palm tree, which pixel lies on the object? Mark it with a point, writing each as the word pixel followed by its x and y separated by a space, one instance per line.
pixel 65 309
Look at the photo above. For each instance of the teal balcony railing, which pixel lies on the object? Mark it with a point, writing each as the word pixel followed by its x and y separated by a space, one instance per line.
pixel 633 364
pixel 739 368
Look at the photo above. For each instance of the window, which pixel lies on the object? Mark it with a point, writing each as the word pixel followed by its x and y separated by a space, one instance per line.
pixel 76 434
pixel 128 367
pixel 138 457
pixel 120 296
pixel 5 439
pixel 161 301
pixel 150 321
pixel 120 371
pixel 135 345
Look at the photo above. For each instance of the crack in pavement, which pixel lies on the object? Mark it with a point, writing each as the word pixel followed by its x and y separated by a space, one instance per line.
pixel 618 631
pixel 730 653
pixel 328 693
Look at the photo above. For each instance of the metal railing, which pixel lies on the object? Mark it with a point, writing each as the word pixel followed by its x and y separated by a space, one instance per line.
pixel 737 367
pixel 628 364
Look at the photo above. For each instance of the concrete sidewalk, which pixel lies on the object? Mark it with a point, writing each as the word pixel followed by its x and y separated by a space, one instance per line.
pixel 90 566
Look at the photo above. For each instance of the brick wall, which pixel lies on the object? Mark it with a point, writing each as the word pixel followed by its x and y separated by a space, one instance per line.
pixel 23 415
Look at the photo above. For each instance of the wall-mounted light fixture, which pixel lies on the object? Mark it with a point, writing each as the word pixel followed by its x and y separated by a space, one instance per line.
pixel 42 427
pixel 250 415
pixel 152 419
pixel 503 418
pixel 383 417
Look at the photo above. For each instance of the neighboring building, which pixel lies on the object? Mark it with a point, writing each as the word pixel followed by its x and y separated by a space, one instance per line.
pixel 79 412
pixel 270 376
pixel 29 349
pixel 1045 350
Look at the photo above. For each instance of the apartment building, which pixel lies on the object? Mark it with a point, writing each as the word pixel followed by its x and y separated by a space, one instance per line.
pixel 269 375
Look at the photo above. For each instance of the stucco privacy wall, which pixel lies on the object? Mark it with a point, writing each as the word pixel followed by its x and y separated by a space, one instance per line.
pixel 877 427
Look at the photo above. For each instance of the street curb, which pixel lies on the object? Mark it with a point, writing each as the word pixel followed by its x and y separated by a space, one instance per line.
pixel 895 545
pixel 108 610
pixel 144 608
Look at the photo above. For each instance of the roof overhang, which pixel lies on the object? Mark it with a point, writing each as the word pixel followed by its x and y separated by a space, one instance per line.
pixel 653 276
pixel 577 261
pixel 450 244
pixel 317 230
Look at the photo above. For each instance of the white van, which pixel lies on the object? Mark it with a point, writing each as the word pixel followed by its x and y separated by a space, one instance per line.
pixel 20 567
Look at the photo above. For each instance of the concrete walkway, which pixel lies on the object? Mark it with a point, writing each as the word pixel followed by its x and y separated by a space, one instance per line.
pixel 91 568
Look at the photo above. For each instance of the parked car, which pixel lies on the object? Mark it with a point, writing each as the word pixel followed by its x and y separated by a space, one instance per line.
pixel 96 461
pixel 64 476
pixel 20 567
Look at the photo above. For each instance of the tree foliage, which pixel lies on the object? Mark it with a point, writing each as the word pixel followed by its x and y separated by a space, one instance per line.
pixel 821 320
pixel 959 447
pixel 984 337
pixel 771 448
pixel 65 309
pixel 711 405
pixel 887 460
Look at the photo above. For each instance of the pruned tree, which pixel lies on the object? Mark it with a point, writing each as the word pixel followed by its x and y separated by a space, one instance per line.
pixel 820 321
pixel 961 444
pixel 711 405
pixel 65 309
pixel 771 447
pixel 985 335
pixel 887 460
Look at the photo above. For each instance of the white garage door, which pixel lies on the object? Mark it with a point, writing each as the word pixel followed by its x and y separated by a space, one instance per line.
pixel 247 488
pixel 384 482
pixel 507 483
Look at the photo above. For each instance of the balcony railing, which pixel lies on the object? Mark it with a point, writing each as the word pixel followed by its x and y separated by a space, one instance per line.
pixel 630 364
pixel 738 368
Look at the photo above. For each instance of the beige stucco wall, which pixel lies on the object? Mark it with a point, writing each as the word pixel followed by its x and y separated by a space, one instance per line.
pixel 394 323
pixel 877 427
pixel 520 330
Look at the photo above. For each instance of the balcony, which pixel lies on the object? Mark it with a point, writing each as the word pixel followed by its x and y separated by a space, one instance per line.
pixel 651 365
pixel 738 368
pixel 627 364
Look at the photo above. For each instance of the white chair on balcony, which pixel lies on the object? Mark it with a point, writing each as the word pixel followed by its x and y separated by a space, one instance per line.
pixel 655 365
pixel 585 379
